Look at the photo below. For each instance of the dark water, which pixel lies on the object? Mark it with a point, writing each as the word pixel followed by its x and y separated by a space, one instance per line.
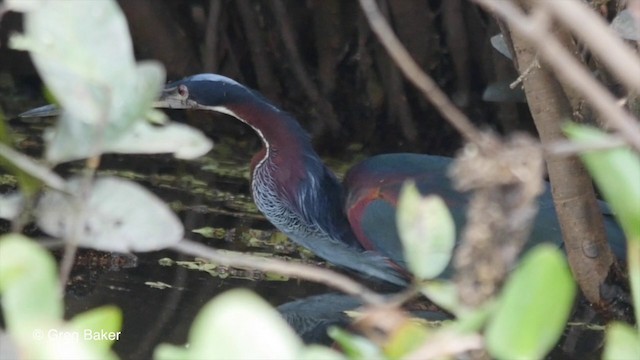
pixel 153 315
pixel 159 302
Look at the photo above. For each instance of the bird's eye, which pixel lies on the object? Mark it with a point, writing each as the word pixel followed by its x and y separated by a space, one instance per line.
pixel 183 91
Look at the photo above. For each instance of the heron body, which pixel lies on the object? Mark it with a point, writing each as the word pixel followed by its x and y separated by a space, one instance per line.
pixel 352 224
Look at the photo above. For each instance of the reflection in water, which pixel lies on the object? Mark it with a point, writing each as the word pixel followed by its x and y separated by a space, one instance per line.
pixel 312 316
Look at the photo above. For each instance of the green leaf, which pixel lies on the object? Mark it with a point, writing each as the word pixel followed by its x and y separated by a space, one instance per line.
pixel 405 339
pixel 81 49
pixel 314 352
pixel 356 347
pixel 622 342
pixel 73 140
pixel 119 215
pixel 444 294
pixel 29 286
pixel 427 232
pixel 237 325
pixel 84 54
pixel 533 308
pixel 617 173
pixel 171 352
pixel 10 205
pixel 100 326
pixel 185 142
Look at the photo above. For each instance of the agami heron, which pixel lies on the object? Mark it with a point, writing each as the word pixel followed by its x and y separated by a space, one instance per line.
pixel 350 224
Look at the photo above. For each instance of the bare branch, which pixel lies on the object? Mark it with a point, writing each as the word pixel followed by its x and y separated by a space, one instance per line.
pixel 568 148
pixel 299 271
pixel 33 168
pixel 600 38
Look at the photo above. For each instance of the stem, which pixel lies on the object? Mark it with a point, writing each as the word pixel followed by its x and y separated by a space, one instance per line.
pixel 633 261
pixel 299 271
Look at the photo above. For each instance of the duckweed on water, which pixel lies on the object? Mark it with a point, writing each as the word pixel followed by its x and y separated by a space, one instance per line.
pixel 211 232
pixel 222 272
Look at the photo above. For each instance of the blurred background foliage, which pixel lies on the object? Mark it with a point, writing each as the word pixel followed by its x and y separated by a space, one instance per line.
pixel 319 60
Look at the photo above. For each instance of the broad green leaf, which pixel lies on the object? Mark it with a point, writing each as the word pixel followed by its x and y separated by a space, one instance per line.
pixel 183 141
pixel 315 352
pixel 442 293
pixel 172 352
pixel 622 342
pixel 356 347
pixel 237 325
pixel 405 339
pixel 427 232
pixel 633 264
pixel 73 140
pixel 23 5
pixel 10 205
pixel 533 307
pixel 83 51
pixel 119 215
pixel 100 326
pixel 617 173
pixel 8 346
pixel 29 286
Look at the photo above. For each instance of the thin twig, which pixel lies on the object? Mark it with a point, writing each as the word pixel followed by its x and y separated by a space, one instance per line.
pixel 82 197
pixel 566 67
pixel 414 74
pixel 620 59
pixel 534 65
pixel 295 270
pixel 569 148
pixel 33 168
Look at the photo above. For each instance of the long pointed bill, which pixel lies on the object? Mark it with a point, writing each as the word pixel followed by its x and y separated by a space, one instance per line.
pixel 42 111
pixel 170 98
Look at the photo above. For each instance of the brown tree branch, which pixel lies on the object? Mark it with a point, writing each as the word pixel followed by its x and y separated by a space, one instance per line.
pixel 574 197
pixel 566 67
